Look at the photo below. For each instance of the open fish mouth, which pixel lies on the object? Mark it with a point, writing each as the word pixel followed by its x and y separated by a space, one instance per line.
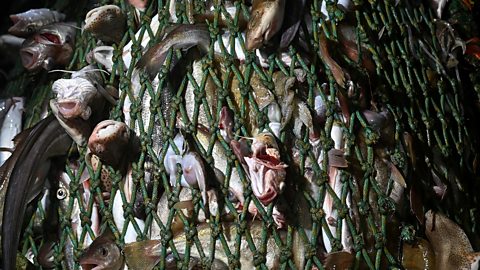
pixel 48 39
pixel 69 108
pixel 29 58
pixel 108 128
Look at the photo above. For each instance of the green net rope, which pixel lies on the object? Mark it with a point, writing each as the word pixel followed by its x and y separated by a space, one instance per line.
pixel 433 114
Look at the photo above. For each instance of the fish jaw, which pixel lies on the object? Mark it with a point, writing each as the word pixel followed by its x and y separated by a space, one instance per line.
pixel 109 140
pixel 106 23
pixel 19 28
pixel 31 58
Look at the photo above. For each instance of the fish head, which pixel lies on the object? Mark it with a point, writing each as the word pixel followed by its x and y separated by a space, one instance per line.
pixel 265 21
pixel 102 254
pixel 33 55
pixel 105 23
pixel 102 55
pixel 56 34
pixel 22 26
pixel 109 140
pixel 73 97
pixel 265 144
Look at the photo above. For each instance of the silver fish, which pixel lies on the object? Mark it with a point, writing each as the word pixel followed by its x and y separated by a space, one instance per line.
pixel 28 22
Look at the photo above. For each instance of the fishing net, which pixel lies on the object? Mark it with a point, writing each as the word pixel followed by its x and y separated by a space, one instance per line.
pixel 434 104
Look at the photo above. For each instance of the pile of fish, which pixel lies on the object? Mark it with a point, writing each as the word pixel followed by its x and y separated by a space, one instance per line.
pixel 241 154
pixel 46 41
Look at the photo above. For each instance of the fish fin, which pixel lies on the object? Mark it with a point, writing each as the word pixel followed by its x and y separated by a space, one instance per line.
pixel 338 260
pixel 395 174
pixel 416 205
pixel 143 255
pixel 474 260
pixel 337 159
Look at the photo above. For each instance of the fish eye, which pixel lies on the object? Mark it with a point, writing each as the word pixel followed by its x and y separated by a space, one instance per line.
pixel 104 252
pixel 30 29
pixel 61 193
pixel 231 197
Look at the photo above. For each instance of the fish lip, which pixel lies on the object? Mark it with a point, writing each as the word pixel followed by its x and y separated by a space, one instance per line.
pixel 267 197
pixel 29 58
pixel 69 108
pixel 102 130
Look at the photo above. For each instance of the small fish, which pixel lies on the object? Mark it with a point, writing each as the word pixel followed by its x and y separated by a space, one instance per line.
pixel 51 46
pixel 145 255
pixel 183 36
pixel 106 23
pixel 265 21
pixel 450 243
pixel 10 124
pixel 22 178
pixel 28 22
pixel 102 254
pixel 78 104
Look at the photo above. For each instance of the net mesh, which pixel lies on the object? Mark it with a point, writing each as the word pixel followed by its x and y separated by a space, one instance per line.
pixel 431 102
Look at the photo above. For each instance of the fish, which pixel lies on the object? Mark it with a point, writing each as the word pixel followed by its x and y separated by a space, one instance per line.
pixel 418 255
pixel 107 23
pixel 78 104
pixel 438 6
pixel 11 124
pixel 450 244
pixel 144 255
pixel 10 41
pixel 183 36
pixel 110 141
pixel 139 4
pixel 102 55
pixel 23 175
pixel 265 21
pixel 28 22
pixel 223 19
pixel 338 73
pixel 45 255
pixel 51 46
pixel 102 254
pixel 291 22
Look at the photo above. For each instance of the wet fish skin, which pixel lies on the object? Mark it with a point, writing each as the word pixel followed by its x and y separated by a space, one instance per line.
pixel 103 254
pixel 106 23
pixel 135 253
pixel 291 21
pixel 23 176
pixel 110 142
pixel 50 47
pixel 78 104
pixel 265 21
pixel 450 244
pixel 183 36
pixel 28 22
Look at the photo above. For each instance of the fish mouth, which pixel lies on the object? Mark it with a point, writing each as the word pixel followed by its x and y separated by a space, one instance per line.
pixel 108 128
pixel 29 58
pixel 48 39
pixel 69 108
pixel 268 196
